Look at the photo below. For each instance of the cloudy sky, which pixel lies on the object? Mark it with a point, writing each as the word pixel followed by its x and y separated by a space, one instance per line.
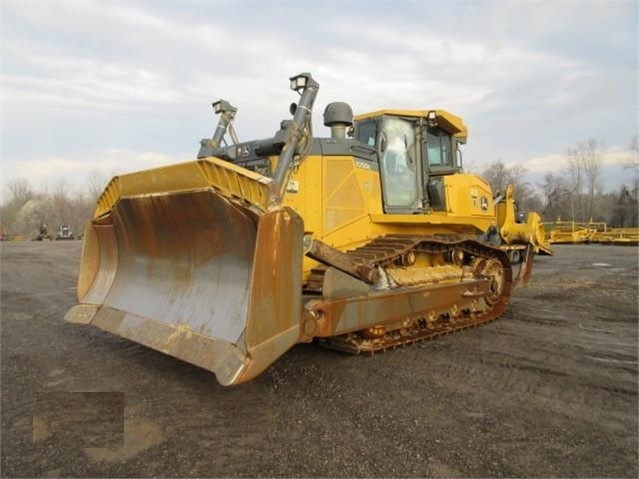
pixel 120 86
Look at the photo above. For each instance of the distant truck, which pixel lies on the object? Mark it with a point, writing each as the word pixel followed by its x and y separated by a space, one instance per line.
pixel 64 233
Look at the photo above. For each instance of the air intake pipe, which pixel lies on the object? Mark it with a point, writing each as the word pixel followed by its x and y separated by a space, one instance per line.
pixel 302 113
pixel 208 146
pixel 338 116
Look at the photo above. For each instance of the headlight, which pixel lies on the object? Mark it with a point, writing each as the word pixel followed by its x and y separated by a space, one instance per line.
pixel 222 106
pixel 298 82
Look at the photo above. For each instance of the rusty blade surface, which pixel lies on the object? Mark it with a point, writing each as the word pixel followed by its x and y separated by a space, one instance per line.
pixel 195 275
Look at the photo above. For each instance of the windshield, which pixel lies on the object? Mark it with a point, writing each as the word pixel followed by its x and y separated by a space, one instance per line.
pixel 398 163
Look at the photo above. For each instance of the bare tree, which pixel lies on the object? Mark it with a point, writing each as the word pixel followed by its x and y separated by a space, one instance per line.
pixel 584 173
pixel 499 176
pixel 19 194
pixel 96 182
pixel 624 211
pixel 575 176
pixel 70 207
pixel 496 174
pixel 60 203
pixel 555 195
pixel 633 165
pixel 32 215
pixel 633 161
pixel 20 191
pixel 593 155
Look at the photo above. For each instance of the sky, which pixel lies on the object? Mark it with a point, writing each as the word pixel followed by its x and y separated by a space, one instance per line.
pixel 96 89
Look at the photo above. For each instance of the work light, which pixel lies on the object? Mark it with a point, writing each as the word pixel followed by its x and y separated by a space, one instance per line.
pixel 298 82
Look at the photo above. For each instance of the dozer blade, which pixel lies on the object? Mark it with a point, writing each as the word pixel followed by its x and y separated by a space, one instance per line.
pixel 204 273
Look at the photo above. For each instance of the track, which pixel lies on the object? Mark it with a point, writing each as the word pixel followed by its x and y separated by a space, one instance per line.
pixel 466 260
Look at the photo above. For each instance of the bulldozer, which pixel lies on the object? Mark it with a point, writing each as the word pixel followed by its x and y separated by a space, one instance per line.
pixel 368 239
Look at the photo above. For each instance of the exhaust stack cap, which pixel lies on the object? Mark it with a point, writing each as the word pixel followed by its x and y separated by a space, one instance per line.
pixel 338 116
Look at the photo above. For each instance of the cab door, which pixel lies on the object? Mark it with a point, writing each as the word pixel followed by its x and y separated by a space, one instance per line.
pixel 399 166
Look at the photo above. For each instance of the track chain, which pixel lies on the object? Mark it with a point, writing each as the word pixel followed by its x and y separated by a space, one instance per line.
pixel 385 251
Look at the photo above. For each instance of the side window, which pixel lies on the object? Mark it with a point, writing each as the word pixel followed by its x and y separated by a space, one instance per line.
pixel 439 148
pixel 366 132
pixel 399 170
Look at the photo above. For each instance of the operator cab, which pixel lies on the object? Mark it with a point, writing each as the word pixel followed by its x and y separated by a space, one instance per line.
pixel 416 149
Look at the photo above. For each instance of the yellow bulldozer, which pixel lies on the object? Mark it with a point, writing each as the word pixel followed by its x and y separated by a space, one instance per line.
pixel 368 239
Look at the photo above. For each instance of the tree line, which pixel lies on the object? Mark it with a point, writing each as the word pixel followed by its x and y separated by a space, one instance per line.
pixel 25 210
pixel 573 194
pixel 576 192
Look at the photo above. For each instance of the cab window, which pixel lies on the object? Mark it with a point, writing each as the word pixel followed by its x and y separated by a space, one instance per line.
pixel 366 132
pixel 439 149
pixel 397 161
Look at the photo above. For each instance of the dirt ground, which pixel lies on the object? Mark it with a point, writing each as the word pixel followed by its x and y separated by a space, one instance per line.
pixel 548 390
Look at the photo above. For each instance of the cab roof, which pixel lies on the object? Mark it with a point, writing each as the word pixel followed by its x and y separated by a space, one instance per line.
pixel 445 120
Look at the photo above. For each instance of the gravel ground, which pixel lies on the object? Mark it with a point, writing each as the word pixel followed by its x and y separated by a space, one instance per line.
pixel 548 390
